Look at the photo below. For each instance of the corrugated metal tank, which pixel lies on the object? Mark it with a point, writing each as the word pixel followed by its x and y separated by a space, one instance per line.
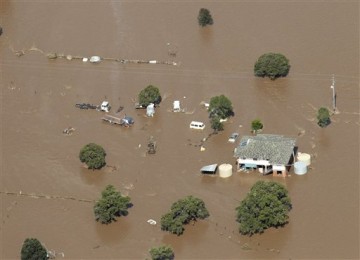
pixel 304 157
pixel 225 170
pixel 300 168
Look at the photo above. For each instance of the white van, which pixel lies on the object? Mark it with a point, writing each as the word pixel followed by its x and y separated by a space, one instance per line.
pixel 197 125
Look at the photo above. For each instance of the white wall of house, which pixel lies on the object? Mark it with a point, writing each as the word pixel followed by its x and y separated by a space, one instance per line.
pixel 252 161
pixel 279 167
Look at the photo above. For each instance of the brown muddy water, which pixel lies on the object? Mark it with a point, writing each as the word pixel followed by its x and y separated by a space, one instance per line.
pixel 38 95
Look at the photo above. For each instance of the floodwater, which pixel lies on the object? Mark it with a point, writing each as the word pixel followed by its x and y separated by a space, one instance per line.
pixel 38 95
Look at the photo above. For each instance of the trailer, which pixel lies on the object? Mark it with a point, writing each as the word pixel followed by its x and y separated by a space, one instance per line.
pixel 125 121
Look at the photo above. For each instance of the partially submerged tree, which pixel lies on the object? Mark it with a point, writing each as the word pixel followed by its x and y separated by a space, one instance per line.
pixel 182 212
pixel 221 107
pixel 32 249
pixel 323 117
pixel 204 17
pixel 162 253
pixel 256 125
pixel 272 65
pixel 216 124
pixel 266 205
pixel 93 155
pixel 150 94
pixel 111 205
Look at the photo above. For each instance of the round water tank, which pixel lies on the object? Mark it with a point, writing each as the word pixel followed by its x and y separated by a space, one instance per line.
pixel 300 168
pixel 304 157
pixel 225 170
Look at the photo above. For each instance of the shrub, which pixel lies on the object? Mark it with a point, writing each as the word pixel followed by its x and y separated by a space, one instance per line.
pixel 256 125
pixel 272 65
pixel 266 205
pixel 162 253
pixel 204 17
pixel 93 156
pixel 182 212
pixel 150 94
pixel 33 250
pixel 323 117
pixel 111 205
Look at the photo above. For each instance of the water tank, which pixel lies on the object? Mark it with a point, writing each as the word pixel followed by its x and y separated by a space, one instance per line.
pixel 300 168
pixel 304 157
pixel 225 170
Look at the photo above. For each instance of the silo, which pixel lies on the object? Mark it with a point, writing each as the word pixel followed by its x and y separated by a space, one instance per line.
pixel 304 157
pixel 300 168
pixel 225 170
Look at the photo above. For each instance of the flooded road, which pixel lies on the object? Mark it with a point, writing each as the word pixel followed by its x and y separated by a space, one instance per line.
pixel 38 97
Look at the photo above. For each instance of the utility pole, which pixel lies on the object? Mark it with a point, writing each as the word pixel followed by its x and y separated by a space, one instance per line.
pixel 333 93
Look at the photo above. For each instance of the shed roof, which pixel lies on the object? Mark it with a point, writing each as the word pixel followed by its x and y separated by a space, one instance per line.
pixel 276 149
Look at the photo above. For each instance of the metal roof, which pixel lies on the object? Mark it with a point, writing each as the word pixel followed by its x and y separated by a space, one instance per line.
pixel 276 149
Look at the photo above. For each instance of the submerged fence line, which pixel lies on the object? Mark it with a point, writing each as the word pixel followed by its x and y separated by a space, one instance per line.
pixel 43 196
pixel 55 55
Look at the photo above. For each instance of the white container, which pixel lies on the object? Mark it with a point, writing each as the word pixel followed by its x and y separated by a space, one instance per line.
pixel 300 168
pixel 304 157
pixel 150 110
pixel 225 170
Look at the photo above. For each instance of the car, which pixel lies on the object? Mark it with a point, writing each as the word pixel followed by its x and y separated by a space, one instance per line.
pixel 197 125
pixel 233 137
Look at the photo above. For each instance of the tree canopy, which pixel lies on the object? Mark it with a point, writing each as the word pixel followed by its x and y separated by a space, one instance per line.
pixel 111 205
pixel 182 212
pixel 204 17
pixel 33 250
pixel 323 117
pixel 93 155
pixel 256 125
pixel 221 107
pixel 150 94
pixel 162 253
pixel 266 205
pixel 272 65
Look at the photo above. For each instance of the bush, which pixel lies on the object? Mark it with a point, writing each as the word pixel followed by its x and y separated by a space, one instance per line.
pixel 111 205
pixel 162 253
pixel 256 125
pixel 204 17
pixel 33 250
pixel 323 117
pixel 272 65
pixel 266 205
pixel 93 156
pixel 150 94
pixel 220 107
pixel 182 212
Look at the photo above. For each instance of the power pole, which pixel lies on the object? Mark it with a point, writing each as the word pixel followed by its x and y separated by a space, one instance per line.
pixel 333 93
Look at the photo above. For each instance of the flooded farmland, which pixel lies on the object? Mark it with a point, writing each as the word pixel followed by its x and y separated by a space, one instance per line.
pixel 38 98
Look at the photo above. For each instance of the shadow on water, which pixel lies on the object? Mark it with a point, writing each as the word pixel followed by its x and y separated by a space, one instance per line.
pixel 206 34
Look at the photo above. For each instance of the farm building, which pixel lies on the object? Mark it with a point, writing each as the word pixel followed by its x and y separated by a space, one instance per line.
pixel 268 153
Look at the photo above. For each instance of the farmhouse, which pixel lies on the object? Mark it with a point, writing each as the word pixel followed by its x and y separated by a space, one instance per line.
pixel 268 153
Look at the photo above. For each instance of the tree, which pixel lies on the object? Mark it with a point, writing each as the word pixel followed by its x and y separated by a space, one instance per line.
pixel 216 124
pixel 266 205
pixel 323 117
pixel 256 125
pixel 162 253
pixel 182 212
pixel 204 17
pixel 221 107
pixel 150 94
pixel 272 65
pixel 111 205
pixel 33 250
pixel 93 156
